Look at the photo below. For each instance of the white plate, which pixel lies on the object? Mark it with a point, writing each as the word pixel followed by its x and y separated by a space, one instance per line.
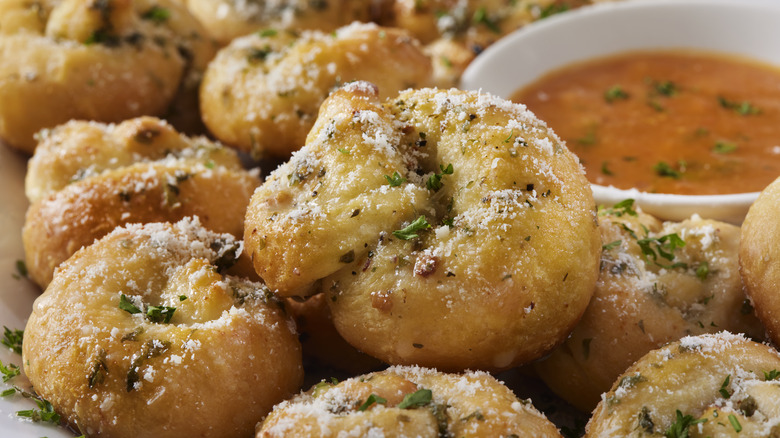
pixel 749 28
pixel 16 294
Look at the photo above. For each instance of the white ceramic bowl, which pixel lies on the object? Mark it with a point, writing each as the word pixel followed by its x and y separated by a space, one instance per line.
pixel 750 28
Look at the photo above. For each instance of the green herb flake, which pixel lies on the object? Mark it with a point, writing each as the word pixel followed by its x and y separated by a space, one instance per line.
pixel 735 423
pixel 645 422
pixel 611 245
pixel 395 179
pixel 21 270
pixel 552 9
pixel 605 169
pixel 703 270
pixel 160 314
pixel 434 181
pixel 267 33
pixel 614 93
pixel 13 339
pixel 45 412
pixel 7 392
pixel 679 429
pixel 662 168
pixel 410 231
pixel 476 415
pixel 157 14
pixel 373 398
pixel 344 151
pixel 622 208
pixel 419 398
pixel 724 147
pixel 665 88
pixel 9 371
pixel 481 17
pixel 724 392
pixel 743 108
pixel 127 305
pixel 182 297
pixel 771 375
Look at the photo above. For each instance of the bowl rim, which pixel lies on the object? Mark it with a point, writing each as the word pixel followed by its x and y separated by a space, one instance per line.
pixel 477 76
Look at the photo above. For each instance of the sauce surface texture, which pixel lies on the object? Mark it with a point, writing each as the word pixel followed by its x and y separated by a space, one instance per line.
pixel 666 122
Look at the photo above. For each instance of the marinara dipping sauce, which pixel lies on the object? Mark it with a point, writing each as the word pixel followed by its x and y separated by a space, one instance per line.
pixel 667 122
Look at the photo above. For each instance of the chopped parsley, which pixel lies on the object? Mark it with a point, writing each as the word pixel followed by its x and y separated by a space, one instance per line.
pixel 21 270
pixel 44 413
pixel 552 9
pixel 703 270
pixel 13 339
pixel 663 246
pixel 724 147
pixel 9 371
pixel 679 429
pixel 622 208
pixel 724 392
pixel 160 314
pixel 605 168
pixel 771 375
pixel 434 181
pixel 410 231
pixel 662 168
pixel 395 179
pixel 373 398
pixel 742 108
pixel 665 88
pixel 481 17
pixel 419 398
pixel 267 33
pixel 611 245
pixel 614 93
pixel 157 14
pixel 127 305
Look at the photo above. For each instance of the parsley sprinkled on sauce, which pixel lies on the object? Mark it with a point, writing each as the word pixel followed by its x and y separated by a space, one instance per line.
pixel 614 93
pixel 742 108
pixel 13 339
pixel 679 429
pixel 410 231
pixel 605 168
pixel 157 14
pixel 395 179
pixel 416 399
pixel 611 245
pixel 182 297
pixel 665 88
pixel 724 147
pixel 662 168
pixel 373 398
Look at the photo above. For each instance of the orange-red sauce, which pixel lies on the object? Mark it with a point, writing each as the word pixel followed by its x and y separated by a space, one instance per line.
pixel 667 122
